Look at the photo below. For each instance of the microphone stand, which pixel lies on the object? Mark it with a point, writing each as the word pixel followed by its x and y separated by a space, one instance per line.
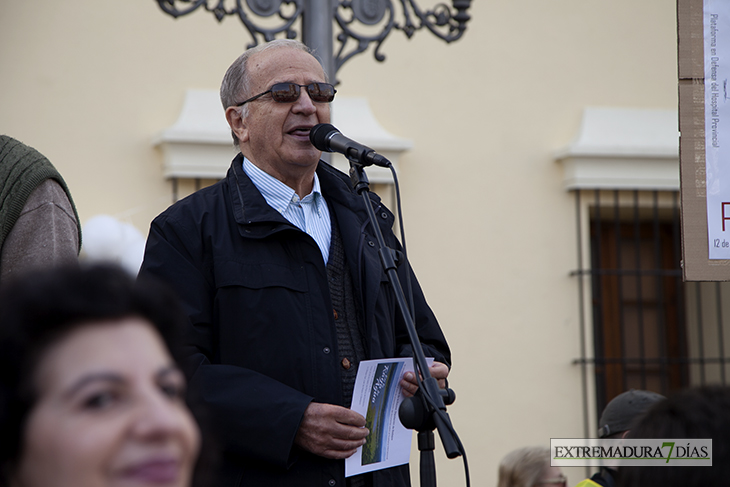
pixel 427 409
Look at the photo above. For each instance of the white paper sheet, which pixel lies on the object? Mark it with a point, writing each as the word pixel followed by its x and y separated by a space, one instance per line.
pixel 717 125
pixel 378 396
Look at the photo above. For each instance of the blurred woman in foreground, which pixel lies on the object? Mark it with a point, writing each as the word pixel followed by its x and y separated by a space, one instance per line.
pixel 89 393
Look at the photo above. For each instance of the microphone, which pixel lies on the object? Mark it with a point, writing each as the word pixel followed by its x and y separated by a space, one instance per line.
pixel 325 137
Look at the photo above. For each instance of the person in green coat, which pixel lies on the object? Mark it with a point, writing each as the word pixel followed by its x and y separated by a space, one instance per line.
pixel 39 225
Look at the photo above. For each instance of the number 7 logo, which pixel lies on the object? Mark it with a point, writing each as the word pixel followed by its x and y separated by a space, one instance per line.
pixel 670 444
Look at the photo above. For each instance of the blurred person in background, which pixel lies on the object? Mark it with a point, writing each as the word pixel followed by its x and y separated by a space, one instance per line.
pixel 529 467
pixel 699 413
pixel 39 225
pixel 616 420
pixel 90 395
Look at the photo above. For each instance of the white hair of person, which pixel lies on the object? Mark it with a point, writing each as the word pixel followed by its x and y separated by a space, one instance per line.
pixel 523 467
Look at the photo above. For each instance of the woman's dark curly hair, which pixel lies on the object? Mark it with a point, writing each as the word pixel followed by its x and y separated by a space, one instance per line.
pixel 40 308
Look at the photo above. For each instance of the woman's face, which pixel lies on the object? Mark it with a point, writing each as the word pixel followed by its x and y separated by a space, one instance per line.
pixel 110 412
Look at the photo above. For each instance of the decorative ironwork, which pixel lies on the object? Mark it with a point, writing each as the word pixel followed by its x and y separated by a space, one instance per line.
pixel 361 22
pixel 440 21
pixel 288 12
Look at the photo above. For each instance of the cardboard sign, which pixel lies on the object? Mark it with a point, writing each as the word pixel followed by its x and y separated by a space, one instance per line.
pixel 704 147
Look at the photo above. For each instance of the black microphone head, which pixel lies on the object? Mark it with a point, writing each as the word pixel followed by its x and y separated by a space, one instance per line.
pixel 318 136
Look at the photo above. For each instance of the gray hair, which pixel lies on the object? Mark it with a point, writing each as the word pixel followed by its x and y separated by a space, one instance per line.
pixel 523 467
pixel 237 80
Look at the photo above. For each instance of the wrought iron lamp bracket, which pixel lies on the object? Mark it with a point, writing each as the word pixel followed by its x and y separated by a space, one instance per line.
pixel 288 11
pixel 377 17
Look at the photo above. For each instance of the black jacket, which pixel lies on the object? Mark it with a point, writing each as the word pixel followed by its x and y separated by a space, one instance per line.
pixel 262 343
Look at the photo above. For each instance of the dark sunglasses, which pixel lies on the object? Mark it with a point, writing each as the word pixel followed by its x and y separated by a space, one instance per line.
pixel 289 93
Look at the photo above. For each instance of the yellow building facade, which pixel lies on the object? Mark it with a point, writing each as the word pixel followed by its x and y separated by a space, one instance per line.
pixel 490 220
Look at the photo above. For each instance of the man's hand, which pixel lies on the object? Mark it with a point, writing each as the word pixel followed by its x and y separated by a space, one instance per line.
pixel 331 431
pixel 437 370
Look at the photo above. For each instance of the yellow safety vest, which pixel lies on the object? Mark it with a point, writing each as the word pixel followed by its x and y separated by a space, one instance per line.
pixel 587 483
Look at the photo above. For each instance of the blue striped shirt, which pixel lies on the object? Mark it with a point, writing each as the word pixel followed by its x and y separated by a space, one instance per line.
pixel 310 214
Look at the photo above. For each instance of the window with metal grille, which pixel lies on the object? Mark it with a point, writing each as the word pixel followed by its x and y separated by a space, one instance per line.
pixel 642 327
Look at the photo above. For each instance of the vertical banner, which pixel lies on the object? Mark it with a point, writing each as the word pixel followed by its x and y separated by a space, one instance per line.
pixel 703 57
pixel 716 22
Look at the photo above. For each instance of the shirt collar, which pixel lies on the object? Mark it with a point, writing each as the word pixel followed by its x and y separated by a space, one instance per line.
pixel 277 194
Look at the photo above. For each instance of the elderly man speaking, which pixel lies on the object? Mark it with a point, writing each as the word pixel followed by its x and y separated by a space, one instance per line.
pixel 283 286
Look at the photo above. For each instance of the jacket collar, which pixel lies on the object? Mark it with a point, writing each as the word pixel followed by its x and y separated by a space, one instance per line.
pixel 337 189
pixel 249 206
pixel 259 219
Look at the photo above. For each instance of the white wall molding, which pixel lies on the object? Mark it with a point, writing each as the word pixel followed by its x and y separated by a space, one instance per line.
pixel 623 148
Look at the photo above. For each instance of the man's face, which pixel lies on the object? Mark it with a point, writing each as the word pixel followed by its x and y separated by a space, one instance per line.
pixel 275 136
